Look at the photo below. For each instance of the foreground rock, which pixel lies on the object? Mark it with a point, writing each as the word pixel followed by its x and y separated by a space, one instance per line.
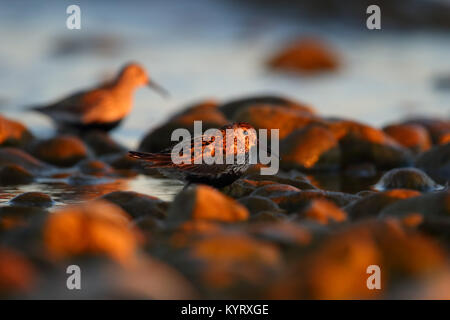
pixel 14 175
pixel 63 151
pixel 17 275
pixel 407 178
pixel 95 228
pixel 205 203
pixel 138 204
pixel 13 133
pixel 323 212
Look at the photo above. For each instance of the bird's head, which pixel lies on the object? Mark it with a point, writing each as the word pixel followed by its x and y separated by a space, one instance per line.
pixel 134 74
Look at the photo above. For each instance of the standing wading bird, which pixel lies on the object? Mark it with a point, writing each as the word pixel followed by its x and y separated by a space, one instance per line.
pixel 103 107
pixel 215 174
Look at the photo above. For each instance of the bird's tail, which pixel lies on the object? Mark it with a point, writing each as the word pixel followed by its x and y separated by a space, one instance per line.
pixel 153 160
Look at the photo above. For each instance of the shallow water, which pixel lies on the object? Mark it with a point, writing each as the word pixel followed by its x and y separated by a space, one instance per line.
pixel 204 49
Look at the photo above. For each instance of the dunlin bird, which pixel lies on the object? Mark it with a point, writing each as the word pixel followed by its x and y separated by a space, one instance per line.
pixel 214 174
pixel 103 107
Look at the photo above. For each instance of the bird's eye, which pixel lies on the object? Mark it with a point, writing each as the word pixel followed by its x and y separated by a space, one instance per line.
pixel 246 133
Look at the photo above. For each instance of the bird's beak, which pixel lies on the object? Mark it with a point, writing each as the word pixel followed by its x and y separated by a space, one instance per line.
pixel 153 85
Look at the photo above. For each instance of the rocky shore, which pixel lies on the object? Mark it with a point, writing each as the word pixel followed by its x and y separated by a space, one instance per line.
pixel 348 195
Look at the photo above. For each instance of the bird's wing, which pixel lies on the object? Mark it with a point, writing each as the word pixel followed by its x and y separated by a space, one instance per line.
pixel 81 107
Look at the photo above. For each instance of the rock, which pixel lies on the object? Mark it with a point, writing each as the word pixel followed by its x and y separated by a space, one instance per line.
pixel 243 187
pixel 437 128
pixel 12 217
pixel 282 233
pixel 407 178
pixel 411 136
pixel 202 202
pixel 230 260
pixel 101 143
pixel 323 212
pixel 312 148
pixel 207 112
pixel 285 120
pixel 275 190
pixel 436 163
pixel 298 201
pixel 14 174
pixel 17 274
pixel 256 204
pixel 13 133
pixel 13 156
pixel 362 143
pixel 94 228
pixel 306 56
pixel 401 255
pixel 231 108
pixel 32 199
pixel 63 151
pixel 95 168
pixel 431 205
pixel 138 204
pixel 267 217
pixel 299 182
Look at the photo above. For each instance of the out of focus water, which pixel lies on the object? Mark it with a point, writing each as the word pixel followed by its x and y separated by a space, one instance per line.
pixel 207 49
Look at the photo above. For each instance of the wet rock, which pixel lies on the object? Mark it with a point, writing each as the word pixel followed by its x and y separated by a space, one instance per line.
pixel 436 163
pixel 323 212
pixel 312 148
pixel 243 187
pixel 362 143
pixel 298 201
pixel 306 56
pixel 13 156
pixel 207 112
pixel 63 151
pixel 32 199
pixel 407 178
pixel 14 174
pixel 275 190
pixel 94 228
pixel 123 162
pixel 437 128
pixel 267 217
pixel 138 204
pixel 372 204
pixel 402 255
pixel 231 108
pixel 275 117
pixel 411 136
pixel 17 275
pixel 95 168
pixel 256 204
pixel 13 133
pixel 205 203
pixel 101 143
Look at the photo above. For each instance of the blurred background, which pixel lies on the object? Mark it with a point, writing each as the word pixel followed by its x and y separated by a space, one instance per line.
pixel 219 49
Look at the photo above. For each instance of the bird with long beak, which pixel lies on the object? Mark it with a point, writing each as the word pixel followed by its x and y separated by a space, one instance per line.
pixel 216 174
pixel 103 107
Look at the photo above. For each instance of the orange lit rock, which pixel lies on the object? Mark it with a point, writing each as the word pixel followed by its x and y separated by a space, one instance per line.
pixel 274 117
pixel 62 151
pixel 437 128
pixel 16 273
pixel 306 56
pixel 313 147
pixel 323 212
pixel 243 187
pixel 95 228
pixel 13 133
pixel 205 203
pixel 413 137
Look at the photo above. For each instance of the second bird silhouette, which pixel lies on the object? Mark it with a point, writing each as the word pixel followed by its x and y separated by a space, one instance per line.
pixel 102 107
